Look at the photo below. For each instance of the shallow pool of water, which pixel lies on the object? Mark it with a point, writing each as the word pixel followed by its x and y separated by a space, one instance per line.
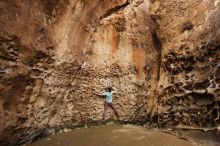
pixel 113 135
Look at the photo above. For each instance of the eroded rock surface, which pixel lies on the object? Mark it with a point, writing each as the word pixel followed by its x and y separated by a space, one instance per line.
pixel 188 90
pixel 55 54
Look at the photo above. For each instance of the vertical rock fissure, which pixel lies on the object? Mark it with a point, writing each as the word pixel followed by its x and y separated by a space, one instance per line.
pixel 158 46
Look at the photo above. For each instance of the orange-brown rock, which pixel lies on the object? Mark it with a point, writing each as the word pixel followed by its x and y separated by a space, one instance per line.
pixel 56 54
pixel 188 90
pixel 161 56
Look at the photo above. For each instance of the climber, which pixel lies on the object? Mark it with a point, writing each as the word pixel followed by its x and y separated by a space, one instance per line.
pixel 108 101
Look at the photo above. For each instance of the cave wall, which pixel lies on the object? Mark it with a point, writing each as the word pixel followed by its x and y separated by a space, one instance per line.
pixel 188 90
pixel 55 54
pixel 161 56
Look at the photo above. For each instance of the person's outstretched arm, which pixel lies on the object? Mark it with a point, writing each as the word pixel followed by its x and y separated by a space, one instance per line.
pixel 103 94
pixel 97 93
pixel 114 90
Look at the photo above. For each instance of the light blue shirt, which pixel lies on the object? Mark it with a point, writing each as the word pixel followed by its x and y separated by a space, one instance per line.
pixel 108 96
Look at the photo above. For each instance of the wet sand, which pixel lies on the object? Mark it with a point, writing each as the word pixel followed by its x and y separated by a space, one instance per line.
pixel 113 135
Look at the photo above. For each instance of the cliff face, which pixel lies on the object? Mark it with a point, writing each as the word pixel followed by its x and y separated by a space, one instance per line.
pixel 188 90
pixel 54 55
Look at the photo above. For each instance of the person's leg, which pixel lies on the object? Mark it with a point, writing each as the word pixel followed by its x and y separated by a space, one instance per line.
pixel 113 108
pixel 105 109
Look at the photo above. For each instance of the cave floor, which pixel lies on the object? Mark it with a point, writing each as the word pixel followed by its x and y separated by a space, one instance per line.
pixel 119 135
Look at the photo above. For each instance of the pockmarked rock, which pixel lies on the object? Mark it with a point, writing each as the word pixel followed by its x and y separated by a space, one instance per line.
pixel 161 56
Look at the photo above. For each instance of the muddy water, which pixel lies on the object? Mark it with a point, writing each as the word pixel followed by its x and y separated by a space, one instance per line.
pixel 113 135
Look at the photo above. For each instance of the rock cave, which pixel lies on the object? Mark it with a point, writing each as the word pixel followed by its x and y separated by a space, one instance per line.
pixel 162 56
